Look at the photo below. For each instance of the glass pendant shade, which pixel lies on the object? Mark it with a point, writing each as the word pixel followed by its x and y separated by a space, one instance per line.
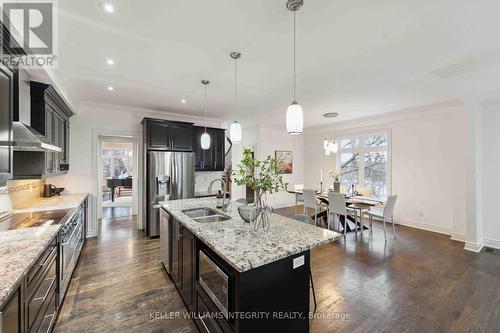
pixel 235 132
pixel 325 144
pixel 205 141
pixel 294 119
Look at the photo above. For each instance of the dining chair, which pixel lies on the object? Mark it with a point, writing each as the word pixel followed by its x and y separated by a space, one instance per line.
pixel 299 197
pixel 310 201
pixel 308 220
pixel 242 201
pixel 386 214
pixel 337 206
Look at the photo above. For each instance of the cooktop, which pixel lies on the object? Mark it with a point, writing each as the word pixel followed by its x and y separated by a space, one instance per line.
pixel 31 220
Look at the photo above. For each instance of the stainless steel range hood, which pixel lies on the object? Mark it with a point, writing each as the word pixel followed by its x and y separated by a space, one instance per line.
pixel 27 139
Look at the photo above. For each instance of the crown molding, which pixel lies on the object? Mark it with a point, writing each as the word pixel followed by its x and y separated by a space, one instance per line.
pixel 152 113
pixel 384 118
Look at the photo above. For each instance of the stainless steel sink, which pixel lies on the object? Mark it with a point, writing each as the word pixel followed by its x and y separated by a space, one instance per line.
pixel 206 215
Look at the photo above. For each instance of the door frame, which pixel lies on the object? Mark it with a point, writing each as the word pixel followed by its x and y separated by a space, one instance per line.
pixel 96 207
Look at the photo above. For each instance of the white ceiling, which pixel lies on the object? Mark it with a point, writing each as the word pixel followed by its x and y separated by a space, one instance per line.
pixel 358 57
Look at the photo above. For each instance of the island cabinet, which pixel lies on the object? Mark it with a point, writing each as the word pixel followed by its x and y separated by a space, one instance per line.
pixel 213 158
pixel 272 298
pixel 183 262
pixel 11 314
pixel 167 135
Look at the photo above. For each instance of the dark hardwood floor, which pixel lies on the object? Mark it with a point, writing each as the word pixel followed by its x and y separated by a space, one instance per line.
pixel 419 282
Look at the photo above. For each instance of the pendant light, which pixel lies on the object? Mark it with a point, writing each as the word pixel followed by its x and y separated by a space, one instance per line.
pixel 294 113
pixel 331 146
pixel 235 129
pixel 205 138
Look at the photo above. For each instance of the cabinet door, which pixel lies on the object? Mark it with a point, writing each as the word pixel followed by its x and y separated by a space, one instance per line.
pixel 198 152
pixel 66 141
pixel 5 123
pixel 188 254
pixel 159 135
pixel 181 137
pixel 49 123
pixel 219 150
pixel 11 315
pixel 176 254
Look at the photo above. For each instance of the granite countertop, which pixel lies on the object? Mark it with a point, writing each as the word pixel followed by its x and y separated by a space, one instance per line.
pixel 234 240
pixel 65 201
pixel 19 249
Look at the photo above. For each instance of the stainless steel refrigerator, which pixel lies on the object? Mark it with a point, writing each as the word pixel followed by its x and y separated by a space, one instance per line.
pixel 170 176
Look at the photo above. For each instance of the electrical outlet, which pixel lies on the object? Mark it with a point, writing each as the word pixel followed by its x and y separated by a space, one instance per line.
pixel 421 213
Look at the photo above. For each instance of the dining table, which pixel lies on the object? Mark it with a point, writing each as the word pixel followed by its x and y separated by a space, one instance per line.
pixel 357 202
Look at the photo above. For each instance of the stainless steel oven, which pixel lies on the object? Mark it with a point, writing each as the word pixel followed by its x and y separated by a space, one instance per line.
pixel 72 238
pixel 214 281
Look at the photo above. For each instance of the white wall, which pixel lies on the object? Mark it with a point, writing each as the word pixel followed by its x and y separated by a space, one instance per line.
pixel 490 176
pixel 265 141
pixel 316 161
pixel 91 119
pixel 428 164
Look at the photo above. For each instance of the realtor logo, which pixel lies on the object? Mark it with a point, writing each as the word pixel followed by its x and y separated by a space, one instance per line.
pixel 31 37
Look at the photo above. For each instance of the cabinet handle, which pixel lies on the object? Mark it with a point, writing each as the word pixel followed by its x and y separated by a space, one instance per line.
pixel 47 292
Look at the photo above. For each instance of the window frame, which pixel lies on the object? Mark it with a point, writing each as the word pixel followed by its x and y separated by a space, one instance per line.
pixel 361 150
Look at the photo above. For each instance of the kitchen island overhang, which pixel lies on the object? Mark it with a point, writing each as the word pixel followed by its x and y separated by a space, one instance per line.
pixel 234 280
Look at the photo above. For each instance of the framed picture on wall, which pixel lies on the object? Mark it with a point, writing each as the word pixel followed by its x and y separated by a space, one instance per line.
pixel 284 161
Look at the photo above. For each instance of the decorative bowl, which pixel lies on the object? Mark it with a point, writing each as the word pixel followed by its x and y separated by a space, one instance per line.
pixel 248 213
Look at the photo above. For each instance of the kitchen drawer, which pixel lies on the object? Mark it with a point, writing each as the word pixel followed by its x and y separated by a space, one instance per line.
pixel 42 296
pixel 206 318
pixel 50 316
pixel 36 272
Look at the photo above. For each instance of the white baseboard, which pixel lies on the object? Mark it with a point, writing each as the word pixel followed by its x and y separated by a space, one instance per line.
pixel 489 242
pixel 457 237
pixel 423 226
pixel 473 247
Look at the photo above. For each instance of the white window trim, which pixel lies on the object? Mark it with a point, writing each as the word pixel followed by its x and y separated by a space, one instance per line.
pixel 361 150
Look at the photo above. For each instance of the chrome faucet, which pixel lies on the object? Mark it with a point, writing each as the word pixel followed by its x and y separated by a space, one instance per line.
pixel 223 185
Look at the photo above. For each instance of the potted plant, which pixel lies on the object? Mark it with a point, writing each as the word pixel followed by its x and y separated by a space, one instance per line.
pixel 264 178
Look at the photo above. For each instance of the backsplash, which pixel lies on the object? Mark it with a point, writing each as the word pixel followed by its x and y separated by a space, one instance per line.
pixel 18 191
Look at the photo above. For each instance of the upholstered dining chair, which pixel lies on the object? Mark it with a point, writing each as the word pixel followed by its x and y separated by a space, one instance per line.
pixel 337 206
pixel 311 202
pixel 386 214
pixel 299 198
pixel 308 220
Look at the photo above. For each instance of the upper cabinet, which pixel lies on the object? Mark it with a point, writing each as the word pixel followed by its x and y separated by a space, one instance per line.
pixel 167 135
pixel 50 116
pixel 6 108
pixel 213 158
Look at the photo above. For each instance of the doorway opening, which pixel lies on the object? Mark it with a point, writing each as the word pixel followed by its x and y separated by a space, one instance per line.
pixel 118 171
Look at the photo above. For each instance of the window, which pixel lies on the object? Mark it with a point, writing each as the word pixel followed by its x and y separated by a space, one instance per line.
pixel 117 162
pixel 364 161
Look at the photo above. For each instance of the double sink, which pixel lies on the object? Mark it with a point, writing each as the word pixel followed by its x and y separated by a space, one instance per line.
pixel 206 215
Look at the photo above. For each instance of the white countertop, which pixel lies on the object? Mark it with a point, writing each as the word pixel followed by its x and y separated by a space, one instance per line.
pixel 235 242
pixel 19 249
pixel 65 201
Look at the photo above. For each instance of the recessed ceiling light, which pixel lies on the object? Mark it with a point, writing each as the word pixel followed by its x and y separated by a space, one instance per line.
pixel 110 62
pixel 183 101
pixel 107 7
pixel 111 88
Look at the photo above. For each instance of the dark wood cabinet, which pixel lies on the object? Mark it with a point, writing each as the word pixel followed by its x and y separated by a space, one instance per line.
pixel 168 135
pixel 176 254
pixel 158 135
pixel 213 158
pixel 50 117
pixel 11 315
pixel 183 262
pixel 6 116
pixel 188 267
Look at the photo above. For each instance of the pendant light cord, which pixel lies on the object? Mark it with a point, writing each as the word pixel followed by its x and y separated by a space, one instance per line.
pixel 205 108
pixel 235 94
pixel 294 56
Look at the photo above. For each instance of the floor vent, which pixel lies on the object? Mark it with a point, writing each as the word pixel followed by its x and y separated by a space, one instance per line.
pixel 489 249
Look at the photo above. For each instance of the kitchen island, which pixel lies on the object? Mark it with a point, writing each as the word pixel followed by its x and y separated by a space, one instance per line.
pixel 235 280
